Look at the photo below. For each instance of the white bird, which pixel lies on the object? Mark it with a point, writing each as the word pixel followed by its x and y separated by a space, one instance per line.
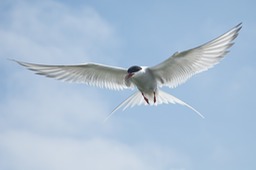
pixel 172 72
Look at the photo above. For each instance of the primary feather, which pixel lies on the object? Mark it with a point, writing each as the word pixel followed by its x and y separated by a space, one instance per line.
pixel 92 74
pixel 182 65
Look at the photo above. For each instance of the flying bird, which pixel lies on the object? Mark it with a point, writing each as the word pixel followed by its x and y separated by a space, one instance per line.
pixel 172 72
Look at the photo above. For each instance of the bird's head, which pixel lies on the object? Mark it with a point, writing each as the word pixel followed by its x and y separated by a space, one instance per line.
pixel 133 70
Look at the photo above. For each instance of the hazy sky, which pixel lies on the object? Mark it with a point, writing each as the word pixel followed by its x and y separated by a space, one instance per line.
pixel 48 124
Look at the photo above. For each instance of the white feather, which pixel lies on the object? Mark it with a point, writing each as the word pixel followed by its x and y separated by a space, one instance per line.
pixel 90 73
pixel 162 98
pixel 183 65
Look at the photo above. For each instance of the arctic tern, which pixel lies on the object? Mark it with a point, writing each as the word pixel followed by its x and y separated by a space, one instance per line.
pixel 172 72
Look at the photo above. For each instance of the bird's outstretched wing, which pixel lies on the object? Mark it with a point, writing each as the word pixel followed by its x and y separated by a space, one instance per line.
pixel 182 65
pixel 90 73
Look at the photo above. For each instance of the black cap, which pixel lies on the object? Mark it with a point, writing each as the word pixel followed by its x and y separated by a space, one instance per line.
pixel 134 69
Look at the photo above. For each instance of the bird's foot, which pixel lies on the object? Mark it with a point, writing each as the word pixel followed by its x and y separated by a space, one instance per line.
pixel 146 99
pixel 154 97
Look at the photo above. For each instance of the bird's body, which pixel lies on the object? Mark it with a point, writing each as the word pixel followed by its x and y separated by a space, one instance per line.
pixel 144 81
pixel 172 72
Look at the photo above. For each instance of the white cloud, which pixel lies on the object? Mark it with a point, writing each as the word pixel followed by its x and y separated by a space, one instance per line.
pixel 51 31
pixel 22 150
pixel 53 108
pixel 30 151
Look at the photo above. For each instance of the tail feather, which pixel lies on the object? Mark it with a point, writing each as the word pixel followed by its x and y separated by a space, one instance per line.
pixel 134 99
pixel 162 98
pixel 167 98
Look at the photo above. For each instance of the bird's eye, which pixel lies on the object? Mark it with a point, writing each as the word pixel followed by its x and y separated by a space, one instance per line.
pixel 134 69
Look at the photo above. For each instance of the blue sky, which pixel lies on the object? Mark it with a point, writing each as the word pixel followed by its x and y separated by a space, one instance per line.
pixel 47 124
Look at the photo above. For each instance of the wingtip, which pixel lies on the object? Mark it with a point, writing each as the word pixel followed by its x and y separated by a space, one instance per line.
pixel 17 61
pixel 13 60
pixel 238 27
pixel 240 24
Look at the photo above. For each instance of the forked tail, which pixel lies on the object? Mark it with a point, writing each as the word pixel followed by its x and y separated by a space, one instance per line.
pixel 161 98
pixel 167 98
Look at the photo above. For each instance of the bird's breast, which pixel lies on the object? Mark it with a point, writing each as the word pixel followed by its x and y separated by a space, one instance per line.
pixel 145 82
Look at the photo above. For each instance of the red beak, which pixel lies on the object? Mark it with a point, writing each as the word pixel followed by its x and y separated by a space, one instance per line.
pixel 129 75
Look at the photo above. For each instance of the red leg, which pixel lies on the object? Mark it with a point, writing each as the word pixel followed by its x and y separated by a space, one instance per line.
pixel 145 98
pixel 154 97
